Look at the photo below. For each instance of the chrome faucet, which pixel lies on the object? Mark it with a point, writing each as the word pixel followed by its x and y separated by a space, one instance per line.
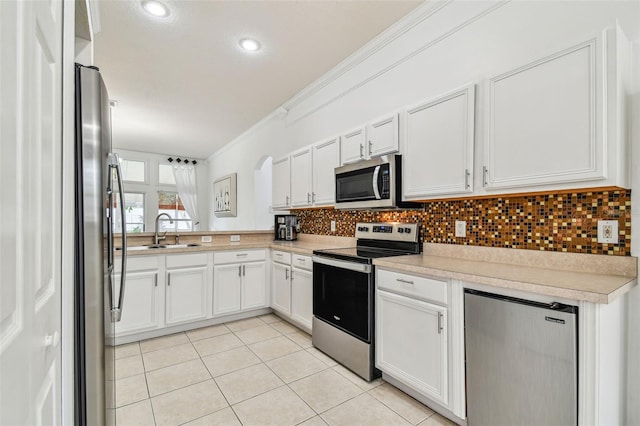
pixel 157 237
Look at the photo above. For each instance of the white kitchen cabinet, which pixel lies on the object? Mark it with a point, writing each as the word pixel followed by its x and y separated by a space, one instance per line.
pixel 186 295
pixel 326 157
pixel 352 145
pixel 254 288
pixel 437 143
pixel 281 288
pixel 281 183
pixel 141 302
pixel 240 285
pixel 142 309
pixel 412 343
pixel 302 296
pixel 301 184
pixel 226 288
pixel 382 136
pixel 558 120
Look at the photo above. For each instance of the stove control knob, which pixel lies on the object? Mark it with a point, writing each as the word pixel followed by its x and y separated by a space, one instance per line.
pixel 365 228
pixel 407 230
pixel 400 230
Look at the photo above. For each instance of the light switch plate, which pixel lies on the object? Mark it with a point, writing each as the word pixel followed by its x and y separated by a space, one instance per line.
pixel 461 228
pixel 235 238
pixel 608 231
pixel 205 238
pixel 333 226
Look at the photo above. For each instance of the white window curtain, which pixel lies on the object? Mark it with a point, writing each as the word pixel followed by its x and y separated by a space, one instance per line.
pixel 187 190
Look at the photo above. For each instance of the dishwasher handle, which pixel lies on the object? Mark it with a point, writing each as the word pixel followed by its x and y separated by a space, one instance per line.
pixel 554 306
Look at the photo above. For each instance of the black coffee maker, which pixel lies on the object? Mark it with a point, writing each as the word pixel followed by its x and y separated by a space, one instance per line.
pixel 286 227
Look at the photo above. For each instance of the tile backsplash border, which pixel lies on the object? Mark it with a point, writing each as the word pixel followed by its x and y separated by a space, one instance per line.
pixel 563 222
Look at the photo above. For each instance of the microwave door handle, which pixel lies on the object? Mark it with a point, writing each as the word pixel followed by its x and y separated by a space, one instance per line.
pixel 376 189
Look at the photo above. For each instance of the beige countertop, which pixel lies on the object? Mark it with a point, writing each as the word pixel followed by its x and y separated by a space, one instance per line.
pixel 581 277
pixel 592 278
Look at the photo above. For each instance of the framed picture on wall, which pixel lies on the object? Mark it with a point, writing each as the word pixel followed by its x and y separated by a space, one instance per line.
pixel 224 196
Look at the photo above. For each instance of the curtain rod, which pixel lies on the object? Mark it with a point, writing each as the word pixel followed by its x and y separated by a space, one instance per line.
pixel 194 162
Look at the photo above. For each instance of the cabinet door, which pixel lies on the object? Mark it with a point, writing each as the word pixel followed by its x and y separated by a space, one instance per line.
pixel 352 146
pixel 543 121
pixel 326 157
pixel 382 136
pixel 186 295
pixel 281 190
pixel 140 309
pixel 281 292
pixel 226 288
pixel 302 296
pixel 301 178
pixel 437 146
pixel 411 343
pixel 254 285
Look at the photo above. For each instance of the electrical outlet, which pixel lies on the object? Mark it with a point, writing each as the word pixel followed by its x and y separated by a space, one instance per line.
pixel 235 238
pixel 333 226
pixel 608 231
pixel 461 228
pixel 205 238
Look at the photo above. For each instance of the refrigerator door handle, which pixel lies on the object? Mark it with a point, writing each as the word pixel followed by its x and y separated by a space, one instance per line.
pixel 116 311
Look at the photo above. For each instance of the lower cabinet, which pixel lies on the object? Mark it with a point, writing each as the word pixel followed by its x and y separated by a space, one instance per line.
pixel 140 308
pixel 281 292
pixel 239 286
pixel 302 296
pixel 292 287
pixel 186 295
pixel 412 343
pixel 412 332
pixel 186 288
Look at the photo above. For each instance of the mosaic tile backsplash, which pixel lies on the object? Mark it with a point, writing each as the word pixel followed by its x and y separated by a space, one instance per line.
pixel 553 222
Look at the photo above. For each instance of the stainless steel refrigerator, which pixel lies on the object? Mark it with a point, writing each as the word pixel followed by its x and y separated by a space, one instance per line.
pixel 97 307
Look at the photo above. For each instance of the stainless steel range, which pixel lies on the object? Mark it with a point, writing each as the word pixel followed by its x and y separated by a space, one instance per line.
pixel 343 293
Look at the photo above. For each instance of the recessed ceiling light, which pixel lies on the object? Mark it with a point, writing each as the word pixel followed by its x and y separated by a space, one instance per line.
pixel 155 8
pixel 249 44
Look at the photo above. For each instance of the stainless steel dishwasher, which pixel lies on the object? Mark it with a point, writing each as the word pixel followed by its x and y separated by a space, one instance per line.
pixel 521 361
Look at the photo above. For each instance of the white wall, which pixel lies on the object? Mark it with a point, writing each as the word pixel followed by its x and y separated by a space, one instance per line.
pixel 151 199
pixel 438 47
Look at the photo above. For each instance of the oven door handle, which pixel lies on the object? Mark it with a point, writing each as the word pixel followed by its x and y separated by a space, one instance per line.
pixel 352 266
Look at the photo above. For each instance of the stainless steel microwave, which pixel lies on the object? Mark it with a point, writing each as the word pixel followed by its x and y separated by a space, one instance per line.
pixel 371 184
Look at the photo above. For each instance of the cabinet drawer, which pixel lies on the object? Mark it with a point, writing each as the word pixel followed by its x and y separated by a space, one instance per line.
pixel 138 263
pixel 238 256
pixel 181 260
pixel 281 256
pixel 413 286
pixel 302 262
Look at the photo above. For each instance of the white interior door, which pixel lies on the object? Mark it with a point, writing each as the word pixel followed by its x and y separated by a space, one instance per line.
pixel 30 219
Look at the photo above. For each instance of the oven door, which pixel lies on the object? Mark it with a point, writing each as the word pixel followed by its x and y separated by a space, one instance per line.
pixel 343 295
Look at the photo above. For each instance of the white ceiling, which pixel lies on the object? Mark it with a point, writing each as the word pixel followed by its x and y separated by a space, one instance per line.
pixel 183 85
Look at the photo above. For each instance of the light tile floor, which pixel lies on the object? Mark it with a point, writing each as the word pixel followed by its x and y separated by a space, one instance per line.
pixel 258 371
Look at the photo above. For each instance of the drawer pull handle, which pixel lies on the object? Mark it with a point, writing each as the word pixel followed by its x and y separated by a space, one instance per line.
pixel 242 254
pixel 404 281
pixel 279 254
pixel 301 259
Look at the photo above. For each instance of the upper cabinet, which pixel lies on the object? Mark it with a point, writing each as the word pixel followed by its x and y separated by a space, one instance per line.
pixel 301 188
pixel 557 120
pixel 377 138
pixel 437 142
pixel 352 146
pixel 281 184
pixel 382 136
pixel 326 157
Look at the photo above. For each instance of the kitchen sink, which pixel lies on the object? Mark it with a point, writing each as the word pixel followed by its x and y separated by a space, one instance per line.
pixel 160 246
